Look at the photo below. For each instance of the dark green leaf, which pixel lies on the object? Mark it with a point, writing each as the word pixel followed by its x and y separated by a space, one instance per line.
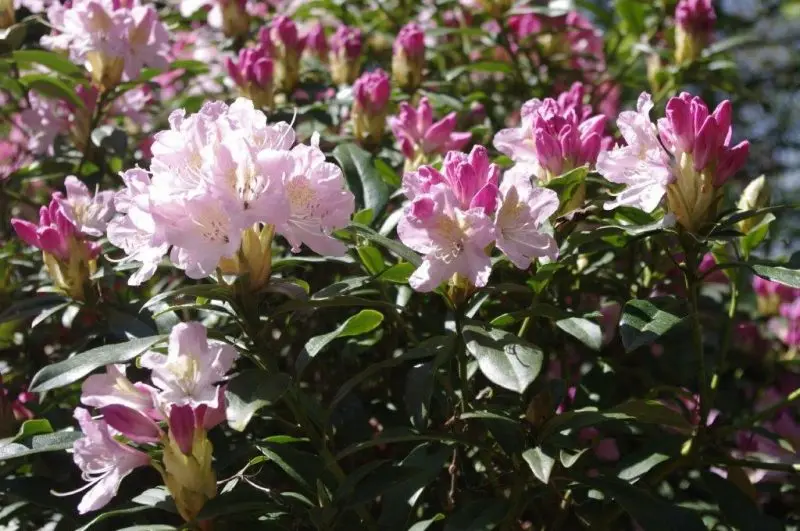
pixel 304 468
pixel 418 391
pixel 650 512
pixel 51 87
pixel 398 273
pixel 361 323
pixel 251 390
pixel 505 359
pixel 781 275
pixel 736 507
pixel 54 61
pixel 584 330
pixel 645 321
pixel 394 246
pixel 78 366
pixel 31 306
pixel 46 442
pixel 362 178
pixel 541 464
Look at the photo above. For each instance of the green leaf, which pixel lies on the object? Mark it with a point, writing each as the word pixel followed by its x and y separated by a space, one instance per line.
pixel 427 349
pixel 650 512
pixel 54 61
pixel 51 87
pixel 584 330
pixel 394 246
pixel 302 467
pixel 645 321
pixel 78 366
pixel 251 390
pixel 540 463
pixel 46 442
pixel 364 216
pixel 736 507
pixel 31 306
pixel 118 512
pixel 12 37
pixel 643 411
pixel 567 184
pixel 505 359
pixel 398 273
pixel 361 323
pixel 423 525
pixel 389 175
pixel 362 178
pixel 480 515
pixel 781 275
pixel 418 391
pixel 482 66
pixel 371 258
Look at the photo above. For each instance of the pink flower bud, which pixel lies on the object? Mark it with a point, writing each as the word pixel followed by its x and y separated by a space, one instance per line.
pixel 131 423
pixel 682 126
pixel 316 41
pixel 182 426
pixel 705 144
pixel 696 17
pixel 346 41
pixel 410 41
pixel 372 91
pixel 731 161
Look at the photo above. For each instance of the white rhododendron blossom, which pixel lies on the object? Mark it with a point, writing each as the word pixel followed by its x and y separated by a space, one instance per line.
pixel 217 173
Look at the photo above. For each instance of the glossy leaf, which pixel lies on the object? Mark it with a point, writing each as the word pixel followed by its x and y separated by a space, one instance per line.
pixel 503 358
pixel 74 368
pixel 540 463
pixel 645 321
pixel 362 178
pixel 251 390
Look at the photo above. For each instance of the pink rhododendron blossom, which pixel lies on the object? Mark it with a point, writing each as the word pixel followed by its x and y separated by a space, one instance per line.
pixel 215 174
pixel 318 200
pixel 471 178
pixel 411 40
pixel 90 214
pixel 556 135
pixel 453 240
pixel 101 32
pixel 13 154
pixel 643 164
pixel 523 211
pixel 55 234
pixel 418 134
pixel 104 461
pixel 113 387
pixel 192 369
pixel 688 157
pixel 696 16
pixel 454 215
pixel 690 129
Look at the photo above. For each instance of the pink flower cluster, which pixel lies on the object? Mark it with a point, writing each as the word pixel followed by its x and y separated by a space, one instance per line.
pixel 556 135
pixel 186 393
pixel 457 213
pixel 418 135
pixel 696 17
pixel 690 145
pixel 66 222
pixel 215 174
pixel 104 31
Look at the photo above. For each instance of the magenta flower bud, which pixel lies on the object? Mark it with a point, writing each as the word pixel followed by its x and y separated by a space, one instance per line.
pixel 723 115
pixel 316 41
pixel 682 126
pixel 281 31
pixel 253 74
pixel 705 144
pixel 472 178
pixel 410 40
pixel 345 54
pixel 696 17
pixel 182 426
pixel 731 161
pixel 372 91
pixel 419 137
pixel 347 41
pixel 131 423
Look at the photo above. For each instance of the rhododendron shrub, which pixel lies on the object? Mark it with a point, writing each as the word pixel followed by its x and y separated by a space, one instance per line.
pixel 393 265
